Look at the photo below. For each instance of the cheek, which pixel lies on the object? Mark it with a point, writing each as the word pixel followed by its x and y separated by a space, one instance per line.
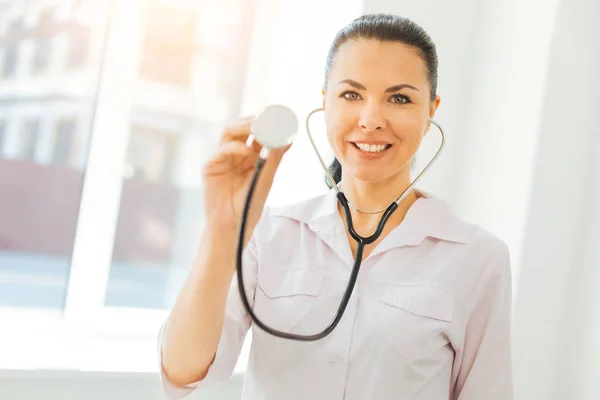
pixel 338 125
pixel 409 130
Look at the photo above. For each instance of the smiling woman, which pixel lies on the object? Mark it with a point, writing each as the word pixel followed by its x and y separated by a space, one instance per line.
pixel 429 317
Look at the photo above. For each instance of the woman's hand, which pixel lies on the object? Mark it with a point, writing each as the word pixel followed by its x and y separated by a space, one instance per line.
pixel 227 179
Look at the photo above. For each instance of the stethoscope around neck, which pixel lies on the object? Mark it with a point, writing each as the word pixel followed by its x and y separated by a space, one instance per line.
pixel 276 127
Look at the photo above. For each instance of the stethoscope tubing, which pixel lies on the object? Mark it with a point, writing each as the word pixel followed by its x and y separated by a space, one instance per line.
pixel 361 241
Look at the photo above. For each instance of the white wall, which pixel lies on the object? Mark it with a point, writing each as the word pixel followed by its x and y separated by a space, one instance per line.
pixel 525 164
pixel 557 318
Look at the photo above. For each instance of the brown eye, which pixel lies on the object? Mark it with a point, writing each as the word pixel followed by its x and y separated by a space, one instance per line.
pixel 400 99
pixel 351 95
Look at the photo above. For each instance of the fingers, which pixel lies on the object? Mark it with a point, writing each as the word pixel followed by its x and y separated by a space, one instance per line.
pixel 232 155
pixel 233 147
pixel 239 132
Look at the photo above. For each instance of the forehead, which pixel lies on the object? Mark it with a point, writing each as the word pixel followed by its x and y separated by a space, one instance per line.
pixel 368 60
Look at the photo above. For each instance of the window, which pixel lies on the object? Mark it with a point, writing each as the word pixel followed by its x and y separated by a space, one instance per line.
pixel 41 58
pixel 11 54
pixel 11 51
pixel 156 230
pixel 28 138
pixel 39 203
pixel 2 135
pixel 168 47
pixel 79 47
pixel 151 154
pixel 37 227
pixel 147 221
pixel 64 135
pixel 99 255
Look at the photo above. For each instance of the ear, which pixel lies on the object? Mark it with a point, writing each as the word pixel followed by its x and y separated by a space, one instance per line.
pixel 323 95
pixel 432 110
pixel 434 106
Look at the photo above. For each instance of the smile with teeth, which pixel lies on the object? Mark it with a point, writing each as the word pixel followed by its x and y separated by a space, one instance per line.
pixel 372 148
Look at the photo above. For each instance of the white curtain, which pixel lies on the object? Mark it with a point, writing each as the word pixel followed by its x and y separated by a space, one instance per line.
pixel 519 84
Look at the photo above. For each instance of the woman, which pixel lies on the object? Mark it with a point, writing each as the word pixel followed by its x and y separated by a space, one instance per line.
pixel 429 318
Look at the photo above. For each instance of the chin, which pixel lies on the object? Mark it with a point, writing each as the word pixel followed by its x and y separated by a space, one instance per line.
pixel 370 175
pixel 373 174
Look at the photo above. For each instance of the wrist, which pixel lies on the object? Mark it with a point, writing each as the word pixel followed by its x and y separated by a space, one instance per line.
pixel 218 231
pixel 216 250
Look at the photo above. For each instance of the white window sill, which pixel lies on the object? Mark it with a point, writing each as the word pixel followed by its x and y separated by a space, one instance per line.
pixel 123 341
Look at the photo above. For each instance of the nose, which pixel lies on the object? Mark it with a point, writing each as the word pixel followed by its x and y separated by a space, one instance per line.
pixel 372 118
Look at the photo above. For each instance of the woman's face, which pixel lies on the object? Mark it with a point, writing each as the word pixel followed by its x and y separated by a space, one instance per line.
pixel 377 106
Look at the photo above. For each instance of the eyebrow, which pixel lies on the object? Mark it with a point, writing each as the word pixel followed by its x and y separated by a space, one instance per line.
pixel 388 90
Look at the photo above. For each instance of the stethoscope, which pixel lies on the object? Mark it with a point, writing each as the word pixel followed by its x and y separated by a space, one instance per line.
pixel 275 127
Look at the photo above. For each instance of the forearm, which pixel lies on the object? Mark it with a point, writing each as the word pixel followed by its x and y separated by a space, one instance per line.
pixel 195 325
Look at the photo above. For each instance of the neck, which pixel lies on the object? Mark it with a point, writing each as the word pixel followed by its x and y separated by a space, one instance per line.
pixel 374 196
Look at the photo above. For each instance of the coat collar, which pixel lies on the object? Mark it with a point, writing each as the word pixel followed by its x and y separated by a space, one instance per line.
pixel 429 216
